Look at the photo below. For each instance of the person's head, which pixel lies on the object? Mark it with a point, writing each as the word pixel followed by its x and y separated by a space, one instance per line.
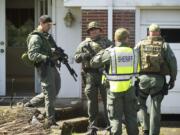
pixel 94 29
pixel 45 23
pixel 121 35
pixel 154 30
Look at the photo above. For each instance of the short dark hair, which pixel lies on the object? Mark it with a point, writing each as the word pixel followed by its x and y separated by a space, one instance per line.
pixel 45 19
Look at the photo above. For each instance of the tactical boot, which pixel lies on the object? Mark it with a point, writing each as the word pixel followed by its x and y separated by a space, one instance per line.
pixel 145 132
pixel 108 130
pixel 92 131
pixel 28 104
pixel 50 122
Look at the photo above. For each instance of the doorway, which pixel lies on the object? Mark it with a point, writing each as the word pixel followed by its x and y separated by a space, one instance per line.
pixel 19 23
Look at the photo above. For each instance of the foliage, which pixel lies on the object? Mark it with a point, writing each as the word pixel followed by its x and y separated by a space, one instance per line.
pixel 17 36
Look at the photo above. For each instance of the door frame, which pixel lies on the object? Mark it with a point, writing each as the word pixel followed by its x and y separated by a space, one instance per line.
pixel 3 47
pixel 41 6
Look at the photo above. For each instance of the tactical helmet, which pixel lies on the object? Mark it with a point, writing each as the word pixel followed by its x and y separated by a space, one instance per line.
pixel 154 28
pixel 121 34
pixel 93 25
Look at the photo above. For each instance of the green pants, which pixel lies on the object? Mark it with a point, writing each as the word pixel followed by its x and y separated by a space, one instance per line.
pixel 119 104
pixel 152 120
pixel 151 85
pixel 50 85
pixel 92 87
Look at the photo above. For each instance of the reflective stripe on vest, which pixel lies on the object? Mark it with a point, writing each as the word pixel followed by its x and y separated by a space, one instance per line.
pixel 121 69
pixel 119 77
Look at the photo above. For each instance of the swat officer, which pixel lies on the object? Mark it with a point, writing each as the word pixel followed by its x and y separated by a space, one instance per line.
pixel 156 60
pixel 121 99
pixel 40 46
pixel 85 51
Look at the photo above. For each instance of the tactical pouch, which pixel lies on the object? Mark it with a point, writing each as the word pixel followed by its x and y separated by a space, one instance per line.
pixel 26 59
pixel 165 69
pixel 136 84
pixel 155 63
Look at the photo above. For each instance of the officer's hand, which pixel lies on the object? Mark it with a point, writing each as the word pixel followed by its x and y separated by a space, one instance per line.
pixel 54 58
pixel 51 59
pixel 171 84
pixel 85 56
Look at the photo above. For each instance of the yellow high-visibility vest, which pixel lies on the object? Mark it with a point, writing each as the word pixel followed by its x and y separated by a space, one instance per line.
pixel 123 66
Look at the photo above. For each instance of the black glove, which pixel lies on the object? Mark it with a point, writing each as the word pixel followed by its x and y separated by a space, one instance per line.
pixel 85 56
pixel 50 60
pixel 171 84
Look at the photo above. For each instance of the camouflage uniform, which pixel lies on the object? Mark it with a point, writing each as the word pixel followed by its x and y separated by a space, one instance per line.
pixel 151 83
pixel 39 49
pixel 92 76
pixel 118 103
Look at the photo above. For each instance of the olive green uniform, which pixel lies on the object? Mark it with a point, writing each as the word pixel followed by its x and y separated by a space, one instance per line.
pixel 118 103
pixel 92 76
pixel 39 49
pixel 152 83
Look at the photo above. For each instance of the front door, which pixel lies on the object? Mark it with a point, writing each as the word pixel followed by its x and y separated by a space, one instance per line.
pixel 19 23
pixel 2 49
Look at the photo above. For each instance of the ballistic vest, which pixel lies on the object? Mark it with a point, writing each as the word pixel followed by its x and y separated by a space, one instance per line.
pixel 122 68
pixel 152 57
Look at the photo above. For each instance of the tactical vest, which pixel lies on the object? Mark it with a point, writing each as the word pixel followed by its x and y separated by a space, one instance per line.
pixel 152 57
pixel 45 49
pixel 92 48
pixel 122 68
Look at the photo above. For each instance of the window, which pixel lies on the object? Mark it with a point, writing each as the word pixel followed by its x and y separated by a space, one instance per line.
pixel 171 35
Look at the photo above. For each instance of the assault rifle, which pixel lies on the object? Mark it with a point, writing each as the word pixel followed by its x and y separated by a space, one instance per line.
pixel 63 57
pixel 89 49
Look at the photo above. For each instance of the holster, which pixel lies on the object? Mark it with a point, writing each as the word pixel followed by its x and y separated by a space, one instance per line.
pixel 165 89
pixel 136 84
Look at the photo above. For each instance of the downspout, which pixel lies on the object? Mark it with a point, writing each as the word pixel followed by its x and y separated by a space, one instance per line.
pixel 110 18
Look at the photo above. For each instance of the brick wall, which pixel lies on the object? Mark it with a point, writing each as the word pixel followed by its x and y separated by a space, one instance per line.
pixel 121 18
pixel 91 15
pixel 126 19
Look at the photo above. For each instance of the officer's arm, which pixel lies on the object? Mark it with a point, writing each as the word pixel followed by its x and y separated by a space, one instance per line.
pixel 171 61
pixel 100 59
pixel 136 50
pixel 109 43
pixel 34 45
pixel 82 55
pixel 79 54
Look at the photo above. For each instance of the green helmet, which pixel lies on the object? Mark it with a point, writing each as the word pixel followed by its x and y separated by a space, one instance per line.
pixel 92 25
pixel 154 27
pixel 121 34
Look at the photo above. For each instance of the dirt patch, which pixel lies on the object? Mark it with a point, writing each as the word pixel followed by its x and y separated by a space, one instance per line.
pixel 20 120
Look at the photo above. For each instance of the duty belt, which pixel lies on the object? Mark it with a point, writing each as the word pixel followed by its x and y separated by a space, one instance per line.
pixel 91 70
pixel 150 73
